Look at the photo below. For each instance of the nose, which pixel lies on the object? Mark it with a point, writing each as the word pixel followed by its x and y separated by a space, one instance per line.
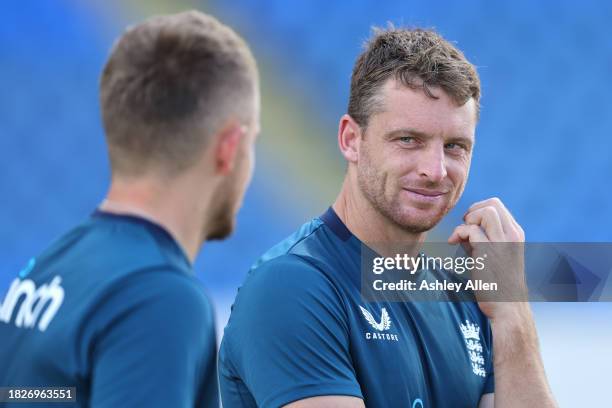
pixel 431 165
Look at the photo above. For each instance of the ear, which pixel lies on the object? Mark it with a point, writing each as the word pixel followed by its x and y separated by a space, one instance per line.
pixel 349 137
pixel 228 143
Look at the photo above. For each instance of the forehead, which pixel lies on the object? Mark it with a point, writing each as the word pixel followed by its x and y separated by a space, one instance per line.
pixel 404 107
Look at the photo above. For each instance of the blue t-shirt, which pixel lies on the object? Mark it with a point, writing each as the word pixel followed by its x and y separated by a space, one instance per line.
pixel 300 329
pixel 113 309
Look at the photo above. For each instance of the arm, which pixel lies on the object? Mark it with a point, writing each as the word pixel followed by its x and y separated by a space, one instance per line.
pixel 487 401
pixel 287 339
pixel 520 380
pixel 517 361
pixel 518 365
pixel 330 401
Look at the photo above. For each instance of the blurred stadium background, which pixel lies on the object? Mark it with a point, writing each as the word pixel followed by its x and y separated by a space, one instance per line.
pixel 544 143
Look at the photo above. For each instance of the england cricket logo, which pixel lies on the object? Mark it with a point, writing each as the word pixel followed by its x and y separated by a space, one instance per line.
pixel 471 335
pixel 383 325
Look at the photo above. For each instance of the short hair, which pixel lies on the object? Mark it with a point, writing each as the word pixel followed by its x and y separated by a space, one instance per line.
pixel 419 59
pixel 168 84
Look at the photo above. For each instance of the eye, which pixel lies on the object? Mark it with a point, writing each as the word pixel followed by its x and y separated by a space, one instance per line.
pixel 455 146
pixel 407 139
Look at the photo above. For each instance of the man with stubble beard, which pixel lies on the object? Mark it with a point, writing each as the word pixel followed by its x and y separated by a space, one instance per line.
pixel 113 308
pixel 300 333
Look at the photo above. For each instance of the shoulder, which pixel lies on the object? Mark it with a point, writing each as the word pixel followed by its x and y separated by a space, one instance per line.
pixel 103 254
pixel 299 256
pixel 304 266
pixel 306 234
pixel 284 304
pixel 164 289
pixel 283 274
pixel 148 312
pixel 154 301
pixel 312 249
pixel 282 288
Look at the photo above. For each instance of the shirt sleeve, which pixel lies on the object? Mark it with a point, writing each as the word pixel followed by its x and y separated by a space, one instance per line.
pixel 156 345
pixel 287 338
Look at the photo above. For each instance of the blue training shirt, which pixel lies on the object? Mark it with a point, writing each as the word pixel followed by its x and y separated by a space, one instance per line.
pixel 113 309
pixel 299 329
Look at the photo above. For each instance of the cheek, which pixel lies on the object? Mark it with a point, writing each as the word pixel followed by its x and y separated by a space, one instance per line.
pixel 240 177
pixel 382 169
pixel 458 173
pixel 400 169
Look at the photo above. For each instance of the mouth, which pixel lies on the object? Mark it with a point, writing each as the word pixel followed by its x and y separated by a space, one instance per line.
pixel 425 195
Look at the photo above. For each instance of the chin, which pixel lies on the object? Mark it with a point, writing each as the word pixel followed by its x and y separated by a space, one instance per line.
pixel 418 221
pixel 417 227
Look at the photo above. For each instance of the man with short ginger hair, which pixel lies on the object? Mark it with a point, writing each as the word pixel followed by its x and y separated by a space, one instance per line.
pixel 300 334
pixel 125 320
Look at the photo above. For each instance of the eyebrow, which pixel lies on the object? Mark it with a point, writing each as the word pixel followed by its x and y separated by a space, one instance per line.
pixel 415 132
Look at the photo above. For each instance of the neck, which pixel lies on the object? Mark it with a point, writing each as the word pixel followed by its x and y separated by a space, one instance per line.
pixel 366 222
pixel 171 204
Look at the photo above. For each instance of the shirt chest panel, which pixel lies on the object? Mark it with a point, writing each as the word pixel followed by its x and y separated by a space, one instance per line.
pixel 409 352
